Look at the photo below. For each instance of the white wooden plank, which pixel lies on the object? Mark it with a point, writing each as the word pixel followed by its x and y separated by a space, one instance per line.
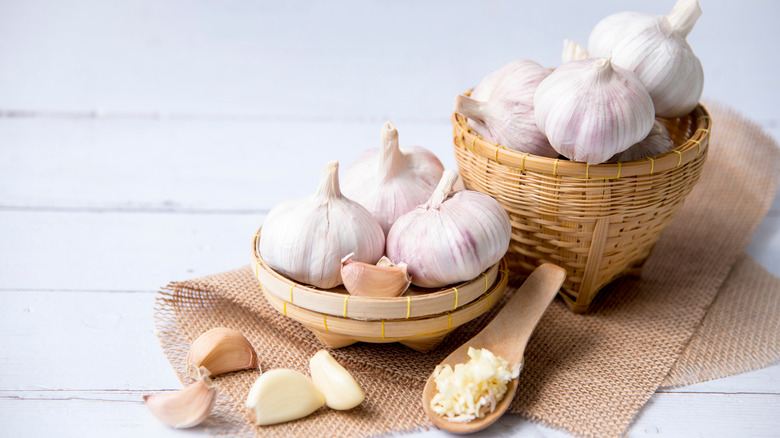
pixel 345 59
pixel 668 415
pixel 119 350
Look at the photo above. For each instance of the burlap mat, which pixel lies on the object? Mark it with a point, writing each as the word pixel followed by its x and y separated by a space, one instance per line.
pixel 586 374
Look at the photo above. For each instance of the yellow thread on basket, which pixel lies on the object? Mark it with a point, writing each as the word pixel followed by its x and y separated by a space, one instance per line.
pixel 679 157
pixel 486 280
pixel 620 166
pixel 257 265
pixel 497 147
pixel 587 171
pixel 325 322
pixel 698 151
pixel 346 298
pixel 449 315
pixel 456 298
pixel 555 167
pixel 408 306
pixel 284 308
pixel 652 165
pixel 383 329
pixel 474 144
pixel 291 290
pixel 522 165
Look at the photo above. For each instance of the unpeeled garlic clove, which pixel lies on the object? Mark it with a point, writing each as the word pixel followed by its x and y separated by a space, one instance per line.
pixel 340 389
pixel 591 110
pixel 186 407
pixel 220 350
pixel 656 143
pixel 282 395
pixel 573 51
pixel 384 279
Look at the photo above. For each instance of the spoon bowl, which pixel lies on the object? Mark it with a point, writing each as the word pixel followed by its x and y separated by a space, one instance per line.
pixel 505 336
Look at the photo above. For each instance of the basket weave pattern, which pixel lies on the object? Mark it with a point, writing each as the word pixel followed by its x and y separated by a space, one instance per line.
pixel 597 221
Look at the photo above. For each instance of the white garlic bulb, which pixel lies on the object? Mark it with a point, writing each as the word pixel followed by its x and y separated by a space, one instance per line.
pixel 500 109
pixel 656 143
pixel 655 48
pixel 573 51
pixel 453 237
pixel 305 239
pixel 591 110
pixel 391 180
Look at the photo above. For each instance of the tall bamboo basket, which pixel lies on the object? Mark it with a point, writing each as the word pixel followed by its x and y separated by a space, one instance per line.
pixel 419 319
pixel 599 222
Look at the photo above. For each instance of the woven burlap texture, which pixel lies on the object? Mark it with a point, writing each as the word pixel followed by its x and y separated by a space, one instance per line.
pixel 586 374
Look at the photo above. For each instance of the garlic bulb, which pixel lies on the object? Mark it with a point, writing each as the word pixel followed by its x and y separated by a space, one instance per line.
pixel 390 181
pixel 453 237
pixel 656 143
pixel 591 110
pixel 500 109
pixel 655 48
pixel 305 239
pixel 573 51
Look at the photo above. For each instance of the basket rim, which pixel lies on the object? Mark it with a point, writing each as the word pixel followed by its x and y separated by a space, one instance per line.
pixel 523 162
pixel 363 307
pixel 393 330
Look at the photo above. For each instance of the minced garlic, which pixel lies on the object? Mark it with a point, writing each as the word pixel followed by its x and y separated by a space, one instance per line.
pixel 473 388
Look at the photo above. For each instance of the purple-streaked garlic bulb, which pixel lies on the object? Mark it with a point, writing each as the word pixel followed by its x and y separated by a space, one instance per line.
pixel 501 108
pixel 453 237
pixel 591 110
pixel 391 180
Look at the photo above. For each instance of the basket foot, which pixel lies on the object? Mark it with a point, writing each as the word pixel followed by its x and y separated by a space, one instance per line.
pixel 424 345
pixel 332 340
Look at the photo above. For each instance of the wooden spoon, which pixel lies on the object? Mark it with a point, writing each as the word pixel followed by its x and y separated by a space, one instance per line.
pixel 506 336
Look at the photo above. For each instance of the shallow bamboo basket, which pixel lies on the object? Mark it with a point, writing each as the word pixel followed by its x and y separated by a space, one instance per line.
pixel 599 222
pixel 419 319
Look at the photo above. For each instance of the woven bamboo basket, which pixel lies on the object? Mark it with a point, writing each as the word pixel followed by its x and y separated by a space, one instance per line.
pixel 419 319
pixel 599 222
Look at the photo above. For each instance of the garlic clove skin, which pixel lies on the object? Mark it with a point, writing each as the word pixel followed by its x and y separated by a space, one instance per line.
pixel 591 110
pixel 340 389
pixel 656 143
pixel 656 49
pixel 454 237
pixel 500 109
pixel 384 279
pixel 220 350
pixel 573 51
pixel 392 180
pixel 305 239
pixel 186 407
pixel 282 395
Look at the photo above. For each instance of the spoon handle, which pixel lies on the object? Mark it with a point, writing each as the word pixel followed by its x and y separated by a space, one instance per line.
pixel 515 323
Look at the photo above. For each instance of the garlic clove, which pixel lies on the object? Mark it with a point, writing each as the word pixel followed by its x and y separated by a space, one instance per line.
pixel 656 143
pixel 573 51
pixel 500 108
pixel 391 180
pixel 340 389
pixel 591 110
pixel 220 350
pixel 453 237
pixel 384 279
pixel 186 407
pixel 305 239
pixel 282 395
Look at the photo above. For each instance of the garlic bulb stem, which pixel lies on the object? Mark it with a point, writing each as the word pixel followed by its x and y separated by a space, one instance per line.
pixel 683 16
pixel 469 107
pixel 328 189
pixel 443 189
pixel 390 158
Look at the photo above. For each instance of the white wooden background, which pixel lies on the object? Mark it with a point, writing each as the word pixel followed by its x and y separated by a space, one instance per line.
pixel 144 141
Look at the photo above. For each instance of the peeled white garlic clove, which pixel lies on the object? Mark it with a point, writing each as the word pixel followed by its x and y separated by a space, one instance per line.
pixel 501 110
pixel 186 407
pixel 656 49
pixel 573 51
pixel 220 350
pixel 454 237
pixel 282 395
pixel 305 239
pixel 656 143
pixel 591 110
pixel 340 389
pixel 391 180
pixel 384 279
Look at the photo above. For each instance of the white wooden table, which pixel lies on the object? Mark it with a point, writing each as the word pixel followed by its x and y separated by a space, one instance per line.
pixel 143 142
